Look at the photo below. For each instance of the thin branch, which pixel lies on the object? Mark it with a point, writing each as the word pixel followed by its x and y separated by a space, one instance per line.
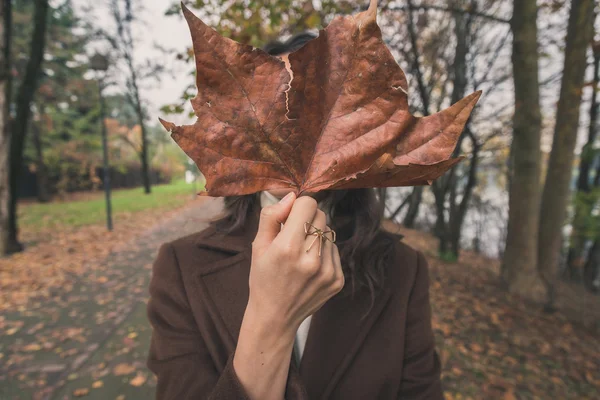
pixel 489 137
pixel 400 207
pixel 132 144
pixel 551 79
pixel 417 65
pixel 428 7
pixel 491 61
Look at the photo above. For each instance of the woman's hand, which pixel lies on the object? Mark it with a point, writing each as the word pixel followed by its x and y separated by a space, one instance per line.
pixel 287 283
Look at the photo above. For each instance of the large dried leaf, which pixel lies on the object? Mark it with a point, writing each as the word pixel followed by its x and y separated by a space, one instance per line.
pixel 331 115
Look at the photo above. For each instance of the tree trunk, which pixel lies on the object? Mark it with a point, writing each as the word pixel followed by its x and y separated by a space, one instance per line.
pixel 41 175
pixel 455 230
pixel 556 192
pixel 144 156
pixel 417 194
pixel 575 259
pixel 24 99
pixel 416 64
pixel 140 114
pixel 590 270
pixel 457 214
pixel 413 207
pixel 583 180
pixel 440 221
pixel 597 178
pixel 5 96
pixel 445 187
pixel 519 264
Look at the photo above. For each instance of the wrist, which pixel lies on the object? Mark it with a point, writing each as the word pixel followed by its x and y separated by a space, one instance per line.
pixel 268 326
pixel 263 354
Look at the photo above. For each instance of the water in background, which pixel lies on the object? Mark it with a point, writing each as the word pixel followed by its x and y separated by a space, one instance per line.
pixel 484 227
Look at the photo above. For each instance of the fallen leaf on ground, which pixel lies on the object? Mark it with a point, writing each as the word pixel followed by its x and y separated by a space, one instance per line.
pixel 32 347
pixel 97 384
pixel 123 369
pixel 510 395
pixel 139 380
pixel 476 348
pixel 81 392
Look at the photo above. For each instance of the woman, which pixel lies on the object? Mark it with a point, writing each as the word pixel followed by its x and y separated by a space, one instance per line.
pixel 249 309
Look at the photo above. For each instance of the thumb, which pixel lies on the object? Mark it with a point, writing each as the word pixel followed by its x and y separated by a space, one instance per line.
pixel 271 218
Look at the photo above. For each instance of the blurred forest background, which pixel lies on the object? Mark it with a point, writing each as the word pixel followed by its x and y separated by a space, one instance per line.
pixel 513 231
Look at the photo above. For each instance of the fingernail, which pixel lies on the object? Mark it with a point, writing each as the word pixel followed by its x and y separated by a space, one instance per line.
pixel 286 198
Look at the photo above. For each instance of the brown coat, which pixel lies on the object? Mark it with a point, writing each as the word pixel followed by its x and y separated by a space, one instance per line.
pixel 198 295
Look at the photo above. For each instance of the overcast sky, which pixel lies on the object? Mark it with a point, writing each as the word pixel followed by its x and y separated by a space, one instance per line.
pixel 154 28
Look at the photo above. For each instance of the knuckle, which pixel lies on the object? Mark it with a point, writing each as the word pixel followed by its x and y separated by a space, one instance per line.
pixel 307 201
pixel 328 276
pixel 338 283
pixel 311 266
pixel 320 215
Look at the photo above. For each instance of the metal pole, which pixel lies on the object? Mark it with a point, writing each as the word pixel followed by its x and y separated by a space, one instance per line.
pixel 109 224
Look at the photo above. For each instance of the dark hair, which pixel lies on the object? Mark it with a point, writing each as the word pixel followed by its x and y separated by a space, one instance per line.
pixel 356 215
pixel 276 47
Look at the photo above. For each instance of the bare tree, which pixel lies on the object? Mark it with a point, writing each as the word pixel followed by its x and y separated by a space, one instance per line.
pixel 414 201
pixel 519 265
pixel 583 180
pixel 5 95
pixel 443 63
pixel 556 189
pixel 19 126
pixel 453 191
pixel 124 46
pixel 445 230
pixel 591 268
pixel 586 185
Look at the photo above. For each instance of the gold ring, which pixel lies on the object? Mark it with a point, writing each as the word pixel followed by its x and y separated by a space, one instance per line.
pixel 319 234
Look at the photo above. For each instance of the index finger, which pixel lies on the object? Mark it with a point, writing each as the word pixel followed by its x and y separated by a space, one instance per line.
pixel 303 210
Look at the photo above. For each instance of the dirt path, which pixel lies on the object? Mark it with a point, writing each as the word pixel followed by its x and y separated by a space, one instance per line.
pixel 90 338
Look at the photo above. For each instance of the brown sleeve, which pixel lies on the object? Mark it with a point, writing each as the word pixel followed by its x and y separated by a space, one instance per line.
pixel 178 355
pixel 421 378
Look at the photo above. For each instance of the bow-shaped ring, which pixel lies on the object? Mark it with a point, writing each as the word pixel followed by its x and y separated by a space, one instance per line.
pixel 319 234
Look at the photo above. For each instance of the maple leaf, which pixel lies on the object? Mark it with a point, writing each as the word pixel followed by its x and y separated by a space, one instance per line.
pixel 331 115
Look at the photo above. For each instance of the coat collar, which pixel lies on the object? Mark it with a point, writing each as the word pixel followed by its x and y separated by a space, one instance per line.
pixel 336 332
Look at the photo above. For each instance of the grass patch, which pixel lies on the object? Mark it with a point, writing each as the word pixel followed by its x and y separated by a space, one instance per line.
pixel 37 216
pixel 448 257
